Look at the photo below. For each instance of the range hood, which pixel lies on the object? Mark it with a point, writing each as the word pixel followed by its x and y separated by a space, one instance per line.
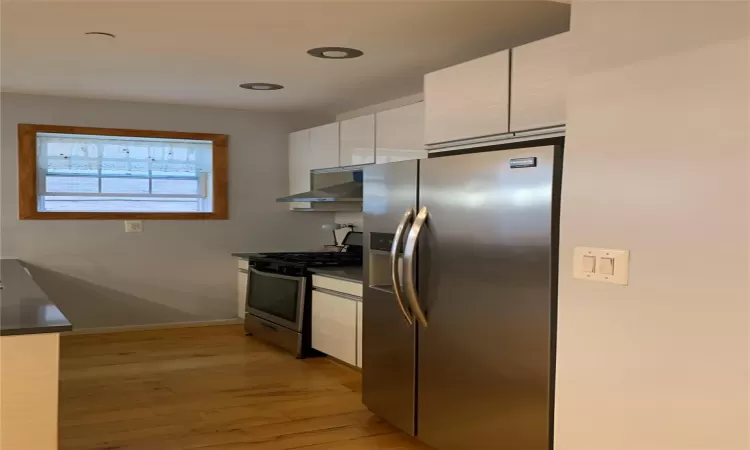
pixel 338 185
pixel 345 192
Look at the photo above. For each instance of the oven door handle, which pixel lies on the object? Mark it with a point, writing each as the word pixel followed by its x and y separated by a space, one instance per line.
pixel 275 275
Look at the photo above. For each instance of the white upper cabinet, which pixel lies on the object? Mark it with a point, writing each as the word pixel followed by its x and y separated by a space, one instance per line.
pixel 324 146
pixel 316 148
pixel 469 100
pixel 357 141
pixel 539 83
pixel 400 134
pixel 299 165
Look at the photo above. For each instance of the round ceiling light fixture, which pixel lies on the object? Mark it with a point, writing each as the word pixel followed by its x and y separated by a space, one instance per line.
pixel 261 86
pixel 335 52
pixel 100 33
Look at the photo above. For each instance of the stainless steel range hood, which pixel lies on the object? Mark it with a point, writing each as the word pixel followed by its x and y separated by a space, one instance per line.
pixel 347 192
pixel 338 188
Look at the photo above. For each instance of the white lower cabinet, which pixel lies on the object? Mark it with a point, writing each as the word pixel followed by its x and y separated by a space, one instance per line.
pixel 337 286
pixel 242 267
pixel 334 326
pixel 30 378
pixel 241 293
pixel 359 334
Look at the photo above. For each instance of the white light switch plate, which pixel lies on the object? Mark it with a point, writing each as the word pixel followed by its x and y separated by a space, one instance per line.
pixel 133 226
pixel 621 265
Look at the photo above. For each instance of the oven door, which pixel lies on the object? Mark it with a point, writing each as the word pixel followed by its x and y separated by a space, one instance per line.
pixel 276 298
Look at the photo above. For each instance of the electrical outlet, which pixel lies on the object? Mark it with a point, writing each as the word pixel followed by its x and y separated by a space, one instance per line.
pixel 133 226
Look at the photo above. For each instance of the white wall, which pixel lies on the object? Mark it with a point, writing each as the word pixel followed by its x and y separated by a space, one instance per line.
pixel 174 271
pixel 657 162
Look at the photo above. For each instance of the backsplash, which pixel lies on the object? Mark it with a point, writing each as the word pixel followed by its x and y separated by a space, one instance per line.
pixel 346 218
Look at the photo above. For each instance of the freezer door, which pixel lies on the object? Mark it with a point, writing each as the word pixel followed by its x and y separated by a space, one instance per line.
pixel 388 346
pixel 485 283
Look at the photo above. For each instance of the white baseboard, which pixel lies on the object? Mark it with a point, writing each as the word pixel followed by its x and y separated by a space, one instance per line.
pixel 155 326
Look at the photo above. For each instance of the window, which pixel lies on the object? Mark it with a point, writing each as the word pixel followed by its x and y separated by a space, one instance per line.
pixel 101 173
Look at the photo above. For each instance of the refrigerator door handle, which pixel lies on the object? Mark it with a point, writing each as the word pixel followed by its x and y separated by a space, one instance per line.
pixel 411 247
pixel 398 238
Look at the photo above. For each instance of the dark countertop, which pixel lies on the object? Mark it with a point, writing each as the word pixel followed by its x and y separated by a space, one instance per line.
pixel 24 307
pixel 243 255
pixel 353 273
pixel 342 273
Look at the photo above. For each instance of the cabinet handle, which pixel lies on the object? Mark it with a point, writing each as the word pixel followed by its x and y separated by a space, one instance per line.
pixel 338 294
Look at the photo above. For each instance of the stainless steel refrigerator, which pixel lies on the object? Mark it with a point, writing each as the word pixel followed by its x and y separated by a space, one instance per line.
pixel 460 295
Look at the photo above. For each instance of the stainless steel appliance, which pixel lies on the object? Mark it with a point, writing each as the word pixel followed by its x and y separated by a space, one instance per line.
pixel 460 297
pixel 334 189
pixel 279 291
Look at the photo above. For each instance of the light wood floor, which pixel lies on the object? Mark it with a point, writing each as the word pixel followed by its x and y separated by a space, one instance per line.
pixel 209 388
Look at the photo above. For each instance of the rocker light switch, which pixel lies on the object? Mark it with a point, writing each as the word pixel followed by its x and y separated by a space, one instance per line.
pixel 610 265
pixel 589 264
pixel 607 266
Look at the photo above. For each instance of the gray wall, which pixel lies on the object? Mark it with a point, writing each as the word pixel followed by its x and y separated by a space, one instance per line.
pixel 175 271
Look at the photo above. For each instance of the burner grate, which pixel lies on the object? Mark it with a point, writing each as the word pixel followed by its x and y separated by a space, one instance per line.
pixel 313 259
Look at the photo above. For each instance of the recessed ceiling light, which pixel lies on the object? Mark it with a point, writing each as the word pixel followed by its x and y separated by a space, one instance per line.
pixel 100 33
pixel 335 52
pixel 261 86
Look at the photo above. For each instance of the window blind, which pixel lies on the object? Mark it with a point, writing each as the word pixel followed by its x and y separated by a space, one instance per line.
pixel 105 173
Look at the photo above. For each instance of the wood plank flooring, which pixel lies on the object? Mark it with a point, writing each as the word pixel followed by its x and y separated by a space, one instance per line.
pixel 209 388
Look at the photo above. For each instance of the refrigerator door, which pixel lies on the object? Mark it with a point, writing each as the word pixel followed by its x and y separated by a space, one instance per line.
pixel 486 279
pixel 389 340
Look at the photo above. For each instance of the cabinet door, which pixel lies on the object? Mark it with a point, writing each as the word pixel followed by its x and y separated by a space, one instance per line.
pixel 241 292
pixel 31 381
pixel 299 165
pixel 399 134
pixel 357 141
pixel 334 326
pixel 359 333
pixel 539 83
pixel 469 100
pixel 324 146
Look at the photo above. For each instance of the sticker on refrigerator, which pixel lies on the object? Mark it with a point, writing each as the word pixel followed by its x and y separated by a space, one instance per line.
pixel 520 163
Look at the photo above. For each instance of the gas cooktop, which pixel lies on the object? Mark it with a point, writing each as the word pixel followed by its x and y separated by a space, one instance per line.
pixel 350 256
pixel 312 259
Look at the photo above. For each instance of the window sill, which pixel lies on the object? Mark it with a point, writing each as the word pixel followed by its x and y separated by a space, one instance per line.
pixel 123 216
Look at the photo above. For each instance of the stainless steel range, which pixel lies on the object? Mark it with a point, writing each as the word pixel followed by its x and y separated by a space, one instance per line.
pixel 277 307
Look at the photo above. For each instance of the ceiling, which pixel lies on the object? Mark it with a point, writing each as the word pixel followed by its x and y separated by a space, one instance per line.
pixel 199 52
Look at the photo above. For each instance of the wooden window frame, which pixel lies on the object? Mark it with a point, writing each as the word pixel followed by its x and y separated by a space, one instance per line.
pixel 27 174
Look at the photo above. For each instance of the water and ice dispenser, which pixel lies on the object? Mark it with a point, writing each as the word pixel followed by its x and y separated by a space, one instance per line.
pixel 380 261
